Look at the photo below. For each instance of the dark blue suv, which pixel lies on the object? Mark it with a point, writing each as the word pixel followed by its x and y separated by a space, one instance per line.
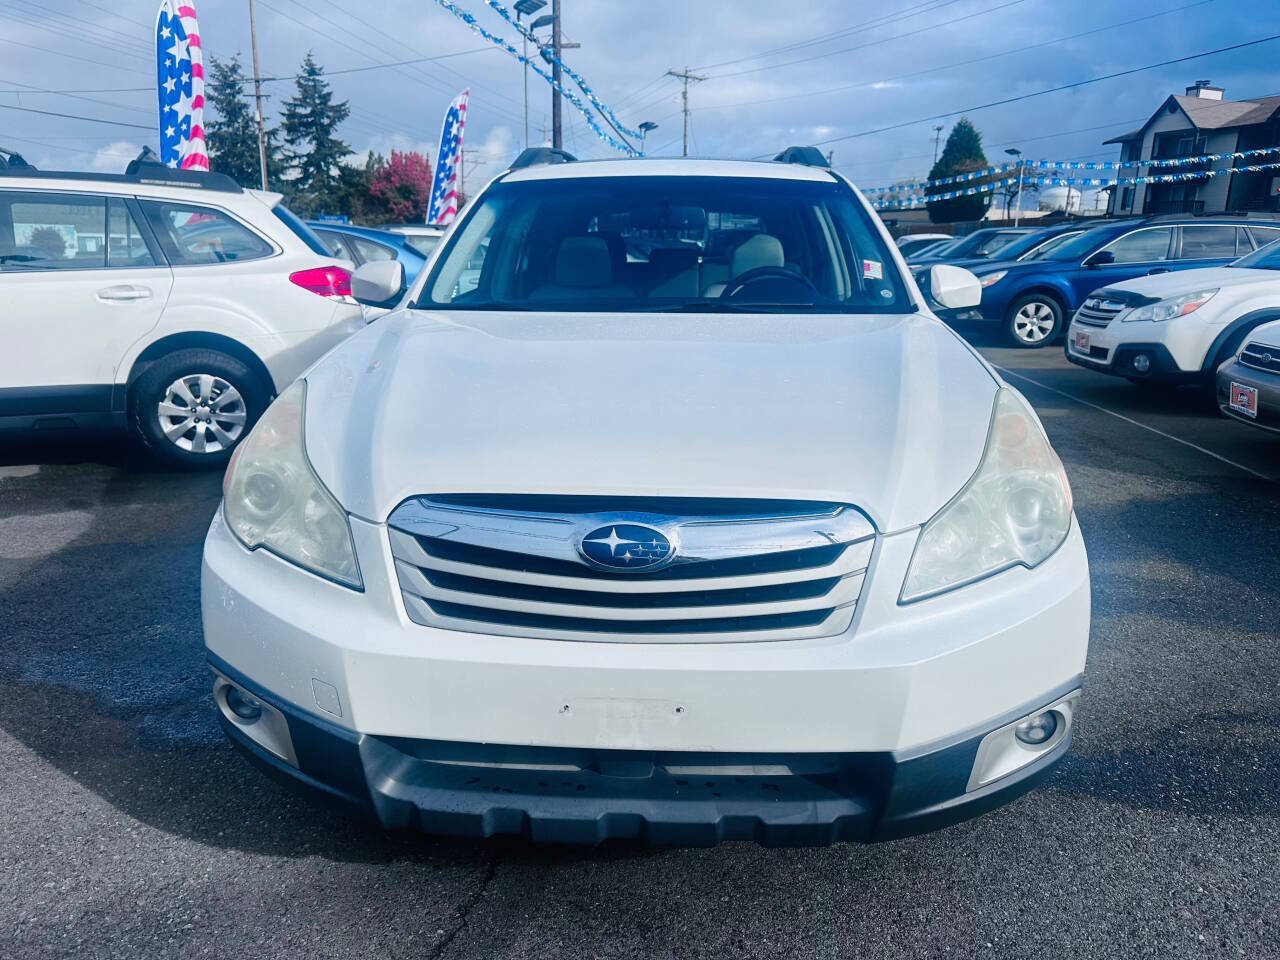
pixel 1034 299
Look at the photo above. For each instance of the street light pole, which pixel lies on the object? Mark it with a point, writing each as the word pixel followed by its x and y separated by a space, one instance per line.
pixel 523 9
pixel 1017 210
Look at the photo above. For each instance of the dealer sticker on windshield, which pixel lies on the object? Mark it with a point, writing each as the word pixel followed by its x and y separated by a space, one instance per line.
pixel 1244 399
pixel 872 270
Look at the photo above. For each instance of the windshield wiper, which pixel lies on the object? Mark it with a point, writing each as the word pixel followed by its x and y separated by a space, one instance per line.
pixel 736 306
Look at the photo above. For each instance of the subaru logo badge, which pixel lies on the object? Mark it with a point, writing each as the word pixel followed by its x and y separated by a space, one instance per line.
pixel 626 546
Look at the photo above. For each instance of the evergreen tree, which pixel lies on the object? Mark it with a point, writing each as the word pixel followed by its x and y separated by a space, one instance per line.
pixel 232 134
pixel 315 155
pixel 962 154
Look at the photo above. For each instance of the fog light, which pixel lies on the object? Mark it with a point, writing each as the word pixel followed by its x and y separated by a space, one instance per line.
pixel 242 705
pixel 1038 729
pixel 1142 363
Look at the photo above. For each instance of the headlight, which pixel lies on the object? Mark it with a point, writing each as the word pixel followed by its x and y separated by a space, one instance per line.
pixel 1173 307
pixel 272 498
pixel 992 278
pixel 1015 510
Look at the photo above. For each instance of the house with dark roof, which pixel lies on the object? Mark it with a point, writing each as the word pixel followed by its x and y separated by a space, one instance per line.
pixel 1199 124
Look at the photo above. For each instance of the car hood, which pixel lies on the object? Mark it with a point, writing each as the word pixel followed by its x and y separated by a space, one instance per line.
pixel 1161 286
pixel 889 413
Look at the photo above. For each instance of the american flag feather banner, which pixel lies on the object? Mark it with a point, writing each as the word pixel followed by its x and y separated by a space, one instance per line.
pixel 444 189
pixel 180 85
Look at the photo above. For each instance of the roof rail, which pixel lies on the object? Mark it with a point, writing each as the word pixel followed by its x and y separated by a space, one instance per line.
pixel 807 156
pixel 146 168
pixel 534 156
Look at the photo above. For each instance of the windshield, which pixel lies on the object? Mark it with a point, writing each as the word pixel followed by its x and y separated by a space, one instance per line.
pixel 1049 246
pixel 1019 244
pixel 658 244
pixel 1264 258
pixel 1081 246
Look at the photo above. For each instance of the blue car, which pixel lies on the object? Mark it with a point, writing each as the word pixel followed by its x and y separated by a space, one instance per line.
pixel 363 244
pixel 1033 299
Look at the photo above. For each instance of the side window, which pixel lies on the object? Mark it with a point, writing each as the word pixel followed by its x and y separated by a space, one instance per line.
pixel 193 234
pixel 333 242
pixel 1263 235
pixel 125 244
pixel 1203 242
pixel 52 231
pixel 368 250
pixel 1142 246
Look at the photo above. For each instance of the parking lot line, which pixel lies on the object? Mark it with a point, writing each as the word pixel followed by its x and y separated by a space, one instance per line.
pixel 1004 371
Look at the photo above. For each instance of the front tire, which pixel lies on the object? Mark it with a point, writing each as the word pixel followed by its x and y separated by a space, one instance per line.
pixel 191 407
pixel 1033 320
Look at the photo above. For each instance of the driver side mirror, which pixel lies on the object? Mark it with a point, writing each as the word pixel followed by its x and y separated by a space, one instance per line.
pixel 378 283
pixel 1100 259
pixel 954 287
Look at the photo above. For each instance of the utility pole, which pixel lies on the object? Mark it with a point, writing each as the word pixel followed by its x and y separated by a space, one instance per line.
pixel 257 96
pixel 686 76
pixel 937 138
pixel 557 136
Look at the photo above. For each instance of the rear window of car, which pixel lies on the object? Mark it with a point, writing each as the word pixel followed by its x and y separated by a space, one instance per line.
pixel 191 234
pixel 300 230
pixel 1210 240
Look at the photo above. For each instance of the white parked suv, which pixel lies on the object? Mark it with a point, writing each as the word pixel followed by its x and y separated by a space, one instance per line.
pixel 688 522
pixel 172 301
pixel 1176 327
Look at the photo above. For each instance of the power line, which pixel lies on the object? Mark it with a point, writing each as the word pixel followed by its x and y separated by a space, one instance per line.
pixel 72 116
pixel 895 17
pixel 959 63
pixel 872 43
pixel 1040 93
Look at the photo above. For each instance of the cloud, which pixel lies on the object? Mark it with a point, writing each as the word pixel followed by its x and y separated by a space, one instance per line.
pixel 114 157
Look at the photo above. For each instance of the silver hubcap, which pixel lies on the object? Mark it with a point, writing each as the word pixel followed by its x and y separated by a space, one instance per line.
pixel 1033 322
pixel 201 413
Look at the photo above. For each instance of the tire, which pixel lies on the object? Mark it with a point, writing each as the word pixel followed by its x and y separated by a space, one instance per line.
pixel 178 382
pixel 1033 320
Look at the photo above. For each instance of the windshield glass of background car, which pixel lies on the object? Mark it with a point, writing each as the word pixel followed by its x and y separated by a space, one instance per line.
pixel 1079 247
pixel 1050 246
pixel 641 244
pixel 1264 258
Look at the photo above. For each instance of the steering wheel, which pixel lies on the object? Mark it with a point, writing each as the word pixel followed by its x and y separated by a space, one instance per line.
pixel 784 276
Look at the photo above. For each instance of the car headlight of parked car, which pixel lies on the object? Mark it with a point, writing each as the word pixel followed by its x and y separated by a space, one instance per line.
pixel 1016 509
pixel 992 278
pixel 272 498
pixel 1172 307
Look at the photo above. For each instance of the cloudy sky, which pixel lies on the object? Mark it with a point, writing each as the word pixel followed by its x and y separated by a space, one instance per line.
pixel 802 72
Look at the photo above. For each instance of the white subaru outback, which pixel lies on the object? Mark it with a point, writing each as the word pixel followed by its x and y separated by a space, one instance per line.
pixel 687 522
pixel 173 301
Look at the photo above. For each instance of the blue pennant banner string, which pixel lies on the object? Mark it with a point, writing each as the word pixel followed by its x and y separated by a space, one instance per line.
pixel 1073 165
pixel 569 95
pixel 904 202
pixel 573 75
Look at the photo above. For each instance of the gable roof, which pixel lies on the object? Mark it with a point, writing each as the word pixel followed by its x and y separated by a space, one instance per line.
pixel 1210 114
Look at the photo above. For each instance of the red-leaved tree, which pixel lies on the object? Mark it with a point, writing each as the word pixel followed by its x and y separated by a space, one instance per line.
pixel 402 188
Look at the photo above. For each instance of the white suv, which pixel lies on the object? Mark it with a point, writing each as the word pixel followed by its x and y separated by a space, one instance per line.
pixel 687 522
pixel 174 301
pixel 1180 326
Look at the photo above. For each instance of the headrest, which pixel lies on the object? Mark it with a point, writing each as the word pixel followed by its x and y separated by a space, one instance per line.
pixel 583 262
pixel 760 250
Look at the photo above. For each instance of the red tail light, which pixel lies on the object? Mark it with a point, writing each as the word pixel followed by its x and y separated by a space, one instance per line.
pixel 332 282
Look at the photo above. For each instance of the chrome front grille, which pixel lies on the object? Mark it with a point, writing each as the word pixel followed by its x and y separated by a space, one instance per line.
pixel 743 570
pixel 1098 311
pixel 1260 356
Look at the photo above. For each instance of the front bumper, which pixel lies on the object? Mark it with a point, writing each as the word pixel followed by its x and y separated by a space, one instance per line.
pixel 583 796
pixel 1268 387
pixel 1106 355
pixel 897 704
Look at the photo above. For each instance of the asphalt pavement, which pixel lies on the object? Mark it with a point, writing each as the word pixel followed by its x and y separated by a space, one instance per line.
pixel 128 828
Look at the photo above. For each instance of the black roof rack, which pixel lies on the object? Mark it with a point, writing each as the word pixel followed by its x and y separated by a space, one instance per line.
pixel 13 160
pixel 146 169
pixel 807 156
pixel 534 156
